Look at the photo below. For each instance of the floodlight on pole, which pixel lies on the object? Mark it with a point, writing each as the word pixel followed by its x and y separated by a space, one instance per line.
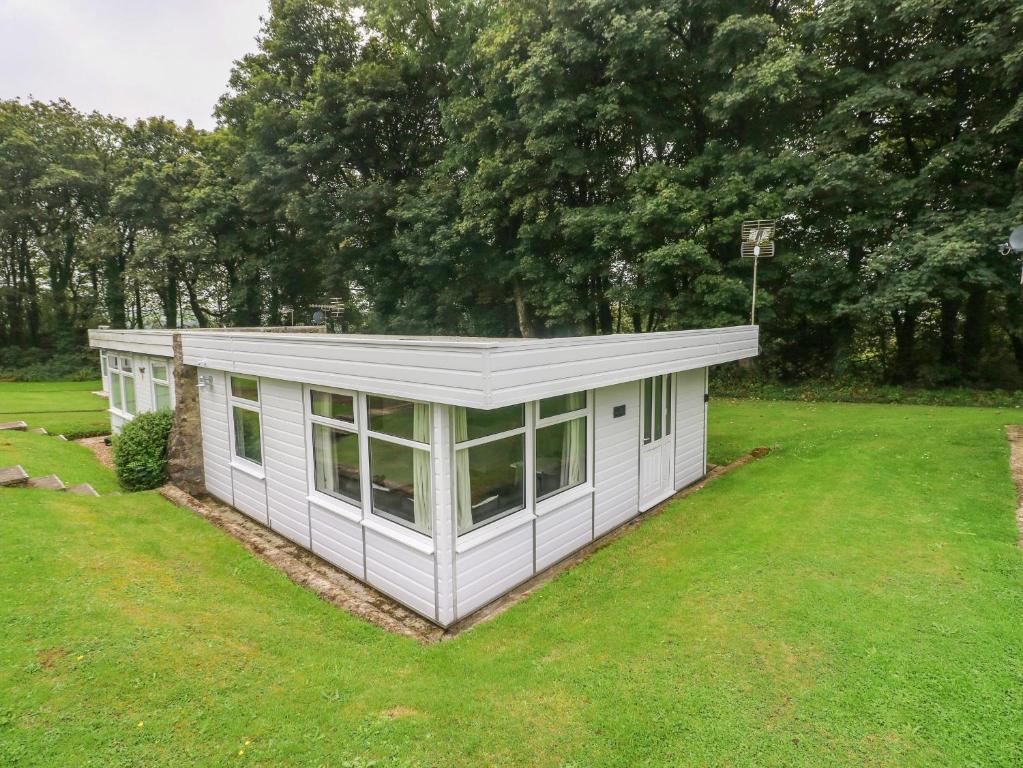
pixel 757 244
pixel 1015 245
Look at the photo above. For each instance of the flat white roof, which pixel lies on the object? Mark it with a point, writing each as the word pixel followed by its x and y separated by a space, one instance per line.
pixel 470 371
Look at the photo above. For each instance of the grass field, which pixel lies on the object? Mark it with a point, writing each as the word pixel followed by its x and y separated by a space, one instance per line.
pixel 64 407
pixel 854 598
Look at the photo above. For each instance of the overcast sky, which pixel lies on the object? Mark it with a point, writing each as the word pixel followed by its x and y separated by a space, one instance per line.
pixel 128 58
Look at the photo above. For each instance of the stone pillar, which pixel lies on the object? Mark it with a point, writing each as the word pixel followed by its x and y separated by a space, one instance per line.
pixel 184 451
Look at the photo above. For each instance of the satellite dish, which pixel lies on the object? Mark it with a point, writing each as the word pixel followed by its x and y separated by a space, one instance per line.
pixel 318 317
pixel 1016 239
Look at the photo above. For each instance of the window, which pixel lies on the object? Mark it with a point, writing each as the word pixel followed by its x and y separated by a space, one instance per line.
pixel 122 384
pixel 245 388
pixel 656 408
pixel 399 461
pixel 245 419
pixel 114 384
pixel 103 366
pixel 560 448
pixel 490 455
pixel 335 445
pixel 161 387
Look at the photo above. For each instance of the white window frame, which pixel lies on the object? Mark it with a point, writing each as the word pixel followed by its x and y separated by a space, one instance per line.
pixel 527 465
pixel 123 374
pixel 169 383
pixel 539 423
pixel 249 405
pixel 370 514
pixel 667 414
pixel 104 370
pixel 320 498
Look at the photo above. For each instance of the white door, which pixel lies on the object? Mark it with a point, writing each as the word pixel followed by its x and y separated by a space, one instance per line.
pixel 657 447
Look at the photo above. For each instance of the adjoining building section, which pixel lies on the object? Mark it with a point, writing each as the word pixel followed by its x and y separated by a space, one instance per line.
pixel 442 471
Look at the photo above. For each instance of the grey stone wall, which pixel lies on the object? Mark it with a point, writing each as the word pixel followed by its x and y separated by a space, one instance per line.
pixel 184 451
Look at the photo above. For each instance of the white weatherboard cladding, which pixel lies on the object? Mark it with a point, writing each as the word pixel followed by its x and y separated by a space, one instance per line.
pixel 116 422
pixel 404 573
pixel 539 370
pixel 159 343
pixel 487 571
pixel 284 461
pixel 562 531
pixel 216 446
pixel 419 372
pixel 249 494
pixel 480 373
pixel 337 538
pixel 142 369
pixel 690 424
pixel 616 456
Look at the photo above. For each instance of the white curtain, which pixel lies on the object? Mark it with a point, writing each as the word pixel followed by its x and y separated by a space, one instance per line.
pixel 463 490
pixel 573 453
pixel 323 459
pixel 422 502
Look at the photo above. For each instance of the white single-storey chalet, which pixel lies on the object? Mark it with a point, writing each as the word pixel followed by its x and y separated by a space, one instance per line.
pixel 442 471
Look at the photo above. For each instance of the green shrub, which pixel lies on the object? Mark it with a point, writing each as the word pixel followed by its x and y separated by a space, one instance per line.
pixel 140 451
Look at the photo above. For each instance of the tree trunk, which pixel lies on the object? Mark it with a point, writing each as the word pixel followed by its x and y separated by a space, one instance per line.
pixel 975 323
pixel 905 345
pixel 947 325
pixel 193 303
pixel 527 328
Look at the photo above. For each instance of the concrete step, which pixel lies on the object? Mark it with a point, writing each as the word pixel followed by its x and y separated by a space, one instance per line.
pixel 82 489
pixel 17 426
pixel 39 431
pixel 49 482
pixel 61 437
pixel 13 476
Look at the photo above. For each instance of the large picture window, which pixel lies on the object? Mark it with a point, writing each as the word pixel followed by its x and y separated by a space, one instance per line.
pixel 335 439
pixel 122 384
pixel 560 447
pixel 489 464
pixel 248 441
pixel 399 460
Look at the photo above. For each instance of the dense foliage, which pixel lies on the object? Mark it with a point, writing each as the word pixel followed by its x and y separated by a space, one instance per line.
pixel 529 167
pixel 140 451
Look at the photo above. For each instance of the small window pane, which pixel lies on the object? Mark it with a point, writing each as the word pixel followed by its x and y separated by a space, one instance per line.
pixel 401 484
pixel 560 457
pixel 648 409
pixel 163 398
pixel 244 388
pixel 115 390
pixel 103 365
pixel 336 463
pixel 480 423
pixel 490 481
pixel 555 406
pixel 401 418
pixel 159 372
pixel 125 364
pixel 333 406
pixel 246 435
pixel 129 395
pixel 112 362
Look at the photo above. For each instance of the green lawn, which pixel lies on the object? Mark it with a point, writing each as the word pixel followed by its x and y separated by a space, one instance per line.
pixel 64 407
pixel 854 598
